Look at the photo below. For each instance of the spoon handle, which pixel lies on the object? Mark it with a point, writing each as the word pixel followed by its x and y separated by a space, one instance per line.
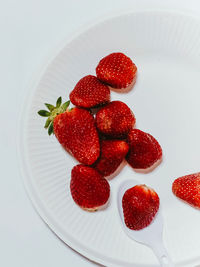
pixel 162 254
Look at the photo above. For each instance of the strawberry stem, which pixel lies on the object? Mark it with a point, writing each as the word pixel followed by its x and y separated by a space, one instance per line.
pixel 53 112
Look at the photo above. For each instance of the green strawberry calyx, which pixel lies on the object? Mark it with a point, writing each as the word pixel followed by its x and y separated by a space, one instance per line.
pixel 52 112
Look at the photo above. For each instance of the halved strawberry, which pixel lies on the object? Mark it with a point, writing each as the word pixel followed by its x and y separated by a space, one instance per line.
pixel 90 92
pixel 140 205
pixel 116 70
pixel 115 120
pixel 88 188
pixel 75 130
pixel 187 188
pixel 144 149
pixel 111 156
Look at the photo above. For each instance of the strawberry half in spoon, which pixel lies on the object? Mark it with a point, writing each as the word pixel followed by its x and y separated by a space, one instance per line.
pixel 140 205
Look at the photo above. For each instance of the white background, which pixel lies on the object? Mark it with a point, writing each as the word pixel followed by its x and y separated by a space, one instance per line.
pixel 30 31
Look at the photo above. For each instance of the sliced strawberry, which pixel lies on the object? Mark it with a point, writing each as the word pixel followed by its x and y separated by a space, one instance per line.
pixel 187 188
pixel 75 130
pixel 116 70
pixel 90 92
pixel 144 149
pixel 111 156
pixel 140 205
pixel 115 119
pixel 88 188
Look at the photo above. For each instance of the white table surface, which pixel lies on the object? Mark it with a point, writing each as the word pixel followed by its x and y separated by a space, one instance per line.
pixel 30 30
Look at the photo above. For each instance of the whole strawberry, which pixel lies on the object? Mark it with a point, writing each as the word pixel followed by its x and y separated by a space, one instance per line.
pixel 115 120
pixel 89 92
pixel 116 70
pixel 75 130
pixel 88 188
pixel 187 188
pixel 111 156
pixel 140 205
pixel 144 149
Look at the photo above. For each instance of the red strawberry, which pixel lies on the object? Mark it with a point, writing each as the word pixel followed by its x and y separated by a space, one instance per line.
pixel 115 119
pixel 88 188
pixel 144 149
pixel 111 155
pixel 187 188
pixel 75 130
pixel 116 70
pixel 90 92
pixel 140 205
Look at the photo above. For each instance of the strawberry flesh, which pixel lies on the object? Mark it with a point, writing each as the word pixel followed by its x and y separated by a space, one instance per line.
pixel 116 70
pixel 115 120
pixel 111 156
pixel 75 130
pixel 140 205
pixel 90 92
pixel 187 188
pixel 144 149
pixel 88 188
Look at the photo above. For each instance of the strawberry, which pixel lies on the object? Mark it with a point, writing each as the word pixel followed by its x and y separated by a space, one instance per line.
pixel 144 149
pixel 75 130
pixel 116 70
pixel 111 155
pixel 187 188
pixel 90 92
pixel 88 188
pixel 140 205
pixel 115 119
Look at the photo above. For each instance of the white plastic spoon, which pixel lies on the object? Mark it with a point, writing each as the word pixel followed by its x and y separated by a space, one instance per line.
pixel 150 236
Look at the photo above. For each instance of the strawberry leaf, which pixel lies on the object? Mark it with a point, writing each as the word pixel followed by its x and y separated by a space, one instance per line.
pixel 48 121
pixel 49 106
pixel 50 130
pixel 65 105
pixel 58 102
pixel 44 113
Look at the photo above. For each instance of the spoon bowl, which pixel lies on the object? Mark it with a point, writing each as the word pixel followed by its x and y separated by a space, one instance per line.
pixel 151 235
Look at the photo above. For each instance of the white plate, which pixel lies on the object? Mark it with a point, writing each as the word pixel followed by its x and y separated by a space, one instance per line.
pixel 166 49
